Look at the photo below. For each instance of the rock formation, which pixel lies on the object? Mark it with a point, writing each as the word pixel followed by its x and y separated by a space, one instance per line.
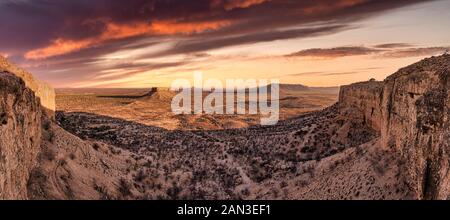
pixel 20 135
pixel 40 160
pixel 41 89
pixel 411 110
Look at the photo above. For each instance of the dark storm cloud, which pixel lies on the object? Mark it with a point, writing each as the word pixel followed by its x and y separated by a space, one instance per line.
pixel 31 24
pixel 51 35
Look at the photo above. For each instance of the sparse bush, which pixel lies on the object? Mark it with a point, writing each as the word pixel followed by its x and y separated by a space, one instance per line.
pixel 96 146
pixel 62 162
pixel 140 176
pixel 49 154
pixel 245 192
pixel 173 192
pixel 124 187
pixel 48 135
pixel 102 191
pixel 3 118
pixel 46 125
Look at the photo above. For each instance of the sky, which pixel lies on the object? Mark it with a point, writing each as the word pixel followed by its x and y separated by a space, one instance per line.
pixel 148 43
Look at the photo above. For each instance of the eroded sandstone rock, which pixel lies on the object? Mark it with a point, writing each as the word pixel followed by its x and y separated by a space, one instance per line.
pixel 411 110
pixel 20 135
pixel 42 90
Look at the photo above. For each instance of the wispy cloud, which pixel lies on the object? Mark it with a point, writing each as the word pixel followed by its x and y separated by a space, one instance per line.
pixel 390 51
pixel 325 73
pixel 394 45
pixel 335 52
pixel 415 52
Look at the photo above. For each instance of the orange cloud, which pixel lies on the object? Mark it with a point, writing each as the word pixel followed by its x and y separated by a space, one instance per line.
pixel 113 31
pixel 119 31
pixel 170 27
pixel 116 31
pixel 58 47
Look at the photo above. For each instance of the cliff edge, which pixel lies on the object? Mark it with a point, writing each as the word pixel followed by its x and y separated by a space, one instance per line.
pixel 40 160
pixel 20 135
pixel 42 90
pixel 410 109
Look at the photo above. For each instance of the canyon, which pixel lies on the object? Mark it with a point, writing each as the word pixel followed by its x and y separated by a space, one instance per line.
pixel 381 140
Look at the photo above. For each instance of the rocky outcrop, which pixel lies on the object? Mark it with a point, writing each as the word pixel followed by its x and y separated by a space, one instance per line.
pixel 410 109
pixel 20 135
pixel 361 102
pixel 26 107
pixel 42 90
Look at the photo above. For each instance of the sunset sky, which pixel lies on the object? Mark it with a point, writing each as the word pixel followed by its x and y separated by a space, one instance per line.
pixel 146 43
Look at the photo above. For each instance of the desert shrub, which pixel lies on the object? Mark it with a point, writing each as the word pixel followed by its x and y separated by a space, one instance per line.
pixel 173 192
pixel 140 176
pixel 102 191
pixel 245 192
pixel 115 151
pixel 49 154
pixel 124 187
pixel 48 135
pixel 62 162
pixel 95 146
pixel 36 184
pixel 3 118
pixel 46 125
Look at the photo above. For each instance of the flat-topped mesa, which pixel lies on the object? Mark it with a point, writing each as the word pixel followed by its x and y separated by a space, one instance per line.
pixel 41 89
pixel 411 110
pixel 152 91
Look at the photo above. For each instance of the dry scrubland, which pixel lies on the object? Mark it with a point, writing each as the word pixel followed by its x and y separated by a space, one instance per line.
pixel 381 140
pixel 153 108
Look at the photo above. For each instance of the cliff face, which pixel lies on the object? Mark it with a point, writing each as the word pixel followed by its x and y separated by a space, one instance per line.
pixel 411 110
pixel 42 90
pixel 361 102
pixel 20 135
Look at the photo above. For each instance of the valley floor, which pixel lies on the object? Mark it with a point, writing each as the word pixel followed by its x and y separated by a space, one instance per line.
pixel 314 156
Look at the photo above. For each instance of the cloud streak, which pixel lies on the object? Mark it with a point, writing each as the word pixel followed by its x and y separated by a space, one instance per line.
pixel 336 52
pixel 390 51
pixel 394 45
pixel 415 52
